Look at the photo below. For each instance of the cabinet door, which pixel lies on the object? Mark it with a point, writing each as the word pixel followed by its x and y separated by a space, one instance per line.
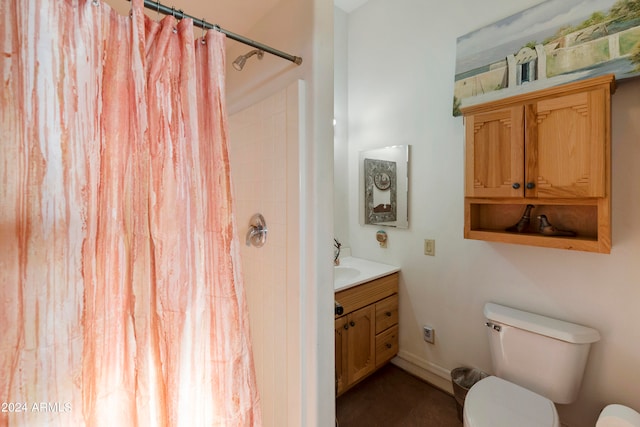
pixel 361 343
pixel 565 147
pixel 341 353
pixel 495 153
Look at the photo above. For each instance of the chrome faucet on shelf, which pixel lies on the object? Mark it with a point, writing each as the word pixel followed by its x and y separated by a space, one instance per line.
pixel 336 252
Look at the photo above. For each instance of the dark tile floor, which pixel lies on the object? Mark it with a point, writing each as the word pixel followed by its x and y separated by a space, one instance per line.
pixel 392 397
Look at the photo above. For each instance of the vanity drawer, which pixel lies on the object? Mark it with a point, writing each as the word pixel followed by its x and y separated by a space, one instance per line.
pixel 386 313
pixel 386 345
pixel 368 293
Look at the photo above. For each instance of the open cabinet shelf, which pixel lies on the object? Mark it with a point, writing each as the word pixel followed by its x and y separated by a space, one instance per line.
pixel 589 218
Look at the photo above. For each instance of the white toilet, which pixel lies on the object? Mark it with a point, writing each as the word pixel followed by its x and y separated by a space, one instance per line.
pixel 537 361
pixel 618 416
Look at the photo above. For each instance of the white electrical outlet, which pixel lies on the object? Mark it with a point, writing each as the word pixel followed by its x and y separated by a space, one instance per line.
pixel 428 333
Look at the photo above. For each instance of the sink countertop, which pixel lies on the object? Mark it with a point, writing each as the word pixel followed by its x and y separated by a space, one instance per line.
pixel 359 271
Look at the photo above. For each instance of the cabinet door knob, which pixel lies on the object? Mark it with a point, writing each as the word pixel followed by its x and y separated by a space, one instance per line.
pixel 346 326
pixel 352 323
pixel 531 185
pixel 388 345
pixel 515 185
pixel 388 314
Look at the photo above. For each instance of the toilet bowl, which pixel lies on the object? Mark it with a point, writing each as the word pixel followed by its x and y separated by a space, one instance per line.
pixel 499 403
pixel 520 407
pixel 618 416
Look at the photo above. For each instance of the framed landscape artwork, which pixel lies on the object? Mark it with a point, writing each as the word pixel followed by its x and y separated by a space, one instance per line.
pixel 555 42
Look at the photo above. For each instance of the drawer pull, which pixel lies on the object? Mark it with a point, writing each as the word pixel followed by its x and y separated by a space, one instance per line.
pixel 388 314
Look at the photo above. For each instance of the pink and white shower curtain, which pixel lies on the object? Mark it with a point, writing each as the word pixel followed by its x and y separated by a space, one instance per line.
pixel 121 299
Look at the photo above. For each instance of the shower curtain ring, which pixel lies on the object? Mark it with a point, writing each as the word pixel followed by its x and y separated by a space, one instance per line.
pixel 204 31
pixel 158 8
pixel 174 30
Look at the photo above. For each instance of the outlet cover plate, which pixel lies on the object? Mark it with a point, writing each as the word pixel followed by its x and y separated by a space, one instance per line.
pixel 428 333
pixel 430 247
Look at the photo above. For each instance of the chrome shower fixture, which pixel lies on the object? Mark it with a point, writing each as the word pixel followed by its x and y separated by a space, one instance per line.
pixel 240 60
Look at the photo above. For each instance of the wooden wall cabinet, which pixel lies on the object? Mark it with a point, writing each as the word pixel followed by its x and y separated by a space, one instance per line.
pixel 549 148
pixel 366 334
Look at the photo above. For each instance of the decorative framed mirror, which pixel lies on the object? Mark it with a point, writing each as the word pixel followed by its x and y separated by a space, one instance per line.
pixel 384 186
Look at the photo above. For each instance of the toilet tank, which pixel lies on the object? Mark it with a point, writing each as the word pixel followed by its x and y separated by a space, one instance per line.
pixel 542 354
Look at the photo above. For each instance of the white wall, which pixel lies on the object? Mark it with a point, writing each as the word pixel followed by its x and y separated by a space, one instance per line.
pixel 340 129
pixel 264 142
pixel 401 60
pixel 304 29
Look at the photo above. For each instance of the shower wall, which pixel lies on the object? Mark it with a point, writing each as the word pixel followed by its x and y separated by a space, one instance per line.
pixel 264 154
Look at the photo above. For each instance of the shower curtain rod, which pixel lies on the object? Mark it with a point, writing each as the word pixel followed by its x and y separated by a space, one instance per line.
pixel 179 14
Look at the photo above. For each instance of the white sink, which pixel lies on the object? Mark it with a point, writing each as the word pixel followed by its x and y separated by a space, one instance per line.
pixel 343 274
pixel 355 271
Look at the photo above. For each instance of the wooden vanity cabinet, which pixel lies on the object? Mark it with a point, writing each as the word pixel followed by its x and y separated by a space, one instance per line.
pixel 366 334
pixel 551 149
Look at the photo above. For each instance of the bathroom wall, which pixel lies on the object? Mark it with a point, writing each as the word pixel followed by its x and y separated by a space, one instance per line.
pixel 400 68
pixel 264 141
pixel 304 29
pixel 340 130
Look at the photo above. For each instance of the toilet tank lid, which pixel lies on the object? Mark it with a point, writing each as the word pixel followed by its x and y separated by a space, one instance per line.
pixel 554 328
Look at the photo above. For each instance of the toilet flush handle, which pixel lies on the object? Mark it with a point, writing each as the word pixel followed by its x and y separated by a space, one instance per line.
pixel 493 326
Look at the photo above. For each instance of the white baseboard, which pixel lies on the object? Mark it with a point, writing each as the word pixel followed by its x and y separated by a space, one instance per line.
pixel 428 371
